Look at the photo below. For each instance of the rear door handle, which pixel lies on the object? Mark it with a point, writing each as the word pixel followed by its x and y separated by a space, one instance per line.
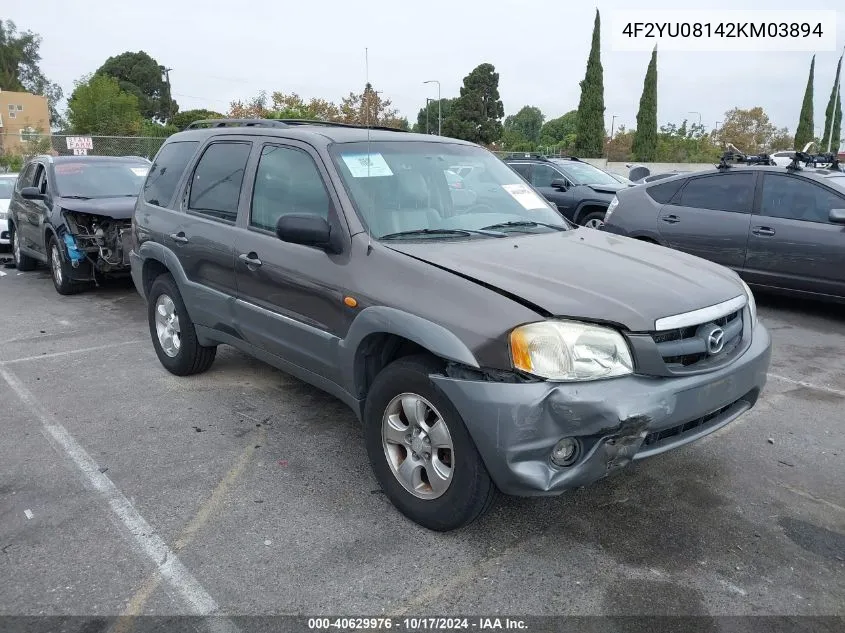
pixel 763 230
pixel 250 259
pixel 671 219
pixel 179 237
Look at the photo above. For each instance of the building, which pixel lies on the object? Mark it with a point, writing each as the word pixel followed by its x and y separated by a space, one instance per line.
pixel 21 113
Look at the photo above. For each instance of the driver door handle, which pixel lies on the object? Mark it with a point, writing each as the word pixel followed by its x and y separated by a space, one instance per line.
pixel 763 230
pixel 179 237
pixel 250 259
pixel 671 219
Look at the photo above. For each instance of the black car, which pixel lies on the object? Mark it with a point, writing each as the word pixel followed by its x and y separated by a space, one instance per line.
pixel 74 213
pixel 457 329
pixel 780 229
pixel 580 191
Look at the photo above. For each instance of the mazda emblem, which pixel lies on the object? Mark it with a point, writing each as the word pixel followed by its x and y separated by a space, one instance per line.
pixel 715 341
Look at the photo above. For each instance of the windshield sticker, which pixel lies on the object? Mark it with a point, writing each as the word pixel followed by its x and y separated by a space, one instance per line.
pixel 69 168
pixel 364 166
pixel 524 196
pixel 140 171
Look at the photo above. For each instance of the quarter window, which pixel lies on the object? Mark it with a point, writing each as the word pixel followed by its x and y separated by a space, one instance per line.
pixel 663 192
pixel 794 198
pixel 287 181
pixel 216 183
pixel 720 192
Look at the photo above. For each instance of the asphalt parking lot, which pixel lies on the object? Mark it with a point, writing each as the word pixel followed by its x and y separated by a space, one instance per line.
pixel 126 490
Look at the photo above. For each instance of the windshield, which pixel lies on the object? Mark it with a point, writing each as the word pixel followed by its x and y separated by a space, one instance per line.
pixel 408 187
pixel 585 174
pixel 99 179
pixel 7 185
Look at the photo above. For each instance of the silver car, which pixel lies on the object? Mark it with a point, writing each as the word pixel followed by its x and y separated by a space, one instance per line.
pixel 7 186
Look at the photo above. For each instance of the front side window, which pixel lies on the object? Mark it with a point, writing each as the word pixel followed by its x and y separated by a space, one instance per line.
pixel 27 176
pixel 216 183
pixel 794 198
pixel 167 170
pixel 544 175
pixel 586 174
pixel 720 192
pixel 402 187
pixel 99 178
pixel 287 181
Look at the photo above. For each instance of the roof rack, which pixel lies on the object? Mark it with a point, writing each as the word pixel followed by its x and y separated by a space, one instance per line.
pixel 537 156
pixel 735 156
pixel 208 123
pixel 813 160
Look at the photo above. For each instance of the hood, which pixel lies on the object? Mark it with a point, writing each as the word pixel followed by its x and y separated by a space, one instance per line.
pixel 587 274
pixel 116 208
pixel 607 189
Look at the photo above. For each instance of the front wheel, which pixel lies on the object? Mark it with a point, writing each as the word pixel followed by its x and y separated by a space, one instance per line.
pixel 60 270
pixel 420 449
pixel 594 220
pixel 173 333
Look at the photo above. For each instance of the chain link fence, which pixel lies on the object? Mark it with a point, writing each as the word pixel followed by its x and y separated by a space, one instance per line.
pixel 15 149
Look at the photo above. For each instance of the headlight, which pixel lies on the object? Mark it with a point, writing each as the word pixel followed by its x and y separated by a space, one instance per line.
pixel 613 204
pixel 570 351
pixel 752 305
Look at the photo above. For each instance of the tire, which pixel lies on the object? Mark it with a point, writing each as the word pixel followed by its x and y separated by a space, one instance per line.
pixel 60 270
pixel 182 355
pixel 23 262
pixel 469 492
pixel 593 220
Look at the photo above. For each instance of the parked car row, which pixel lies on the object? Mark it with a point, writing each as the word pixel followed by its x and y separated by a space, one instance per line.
pixel 486 343
pixel 7 186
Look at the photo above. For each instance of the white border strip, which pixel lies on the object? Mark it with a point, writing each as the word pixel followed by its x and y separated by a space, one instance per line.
pixel 697 317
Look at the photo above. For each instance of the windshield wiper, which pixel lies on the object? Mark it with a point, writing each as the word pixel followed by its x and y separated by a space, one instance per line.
pixel 77 197
pixel 442 232
pixel 526 223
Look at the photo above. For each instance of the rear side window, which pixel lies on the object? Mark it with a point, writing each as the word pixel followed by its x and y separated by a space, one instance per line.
pixel 720 192
pixel 217 180
pixel 166 170
pixel 663 192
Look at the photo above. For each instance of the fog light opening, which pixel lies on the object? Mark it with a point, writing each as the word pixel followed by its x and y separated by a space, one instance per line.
pixel 566 452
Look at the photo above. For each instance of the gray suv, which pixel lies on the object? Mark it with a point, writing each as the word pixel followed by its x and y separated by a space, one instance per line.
pixel 459 330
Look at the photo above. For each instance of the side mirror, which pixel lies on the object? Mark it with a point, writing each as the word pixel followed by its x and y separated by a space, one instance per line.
pixel 837 216
pixel 560 183
pixel 308 230
pixel 32 193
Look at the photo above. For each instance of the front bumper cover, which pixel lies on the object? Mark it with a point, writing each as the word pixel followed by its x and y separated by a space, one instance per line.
pixel 515 426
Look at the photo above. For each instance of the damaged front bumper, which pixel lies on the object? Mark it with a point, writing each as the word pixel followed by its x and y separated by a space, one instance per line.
pixel 515 426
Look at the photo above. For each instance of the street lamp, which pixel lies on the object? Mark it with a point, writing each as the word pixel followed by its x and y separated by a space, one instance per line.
pixel 699 116
pixel 166 72
pixel 427 109
pixel 439 105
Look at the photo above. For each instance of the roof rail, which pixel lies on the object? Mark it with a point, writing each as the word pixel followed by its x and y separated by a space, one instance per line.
pixel 205 123
pixel 208 123
pixel 525 155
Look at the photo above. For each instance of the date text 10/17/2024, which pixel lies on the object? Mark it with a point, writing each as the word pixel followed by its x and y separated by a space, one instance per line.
pixel 418 624
pixel 714 30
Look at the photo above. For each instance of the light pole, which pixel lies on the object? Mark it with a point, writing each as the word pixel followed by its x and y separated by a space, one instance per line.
pixel 427 109
pixel 439 106
pixel 166 72
pixel 835 100
pixel 699 116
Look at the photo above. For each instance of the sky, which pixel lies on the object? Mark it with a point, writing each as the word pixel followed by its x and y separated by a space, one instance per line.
pixel 220 52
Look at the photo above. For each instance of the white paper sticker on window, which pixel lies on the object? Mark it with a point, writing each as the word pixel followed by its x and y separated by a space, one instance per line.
pixel 140 171
pixel 364 166
pixel 526 197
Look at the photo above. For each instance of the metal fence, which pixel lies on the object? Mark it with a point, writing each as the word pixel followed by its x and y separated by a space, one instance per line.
pixel 26 145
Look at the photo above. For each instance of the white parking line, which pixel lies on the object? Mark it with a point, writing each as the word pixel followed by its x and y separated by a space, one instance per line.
pixel 809 385
pixel 167 563
pixel 71 351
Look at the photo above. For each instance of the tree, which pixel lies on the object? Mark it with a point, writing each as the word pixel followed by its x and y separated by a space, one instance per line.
pixel 143 76
pixel 685 143
pixel 644 147
pixel 427 119
pixel 254 108
pixel 292 106
pixel 620 147
pixel 98 106
pixel 560 131
pixel 526 123
pixel 476 115
pixel 185 118
pixel 590 134
pixel 804 131
pixel 368 108
pixel 20 70
pixel 833 119
pixel 751 131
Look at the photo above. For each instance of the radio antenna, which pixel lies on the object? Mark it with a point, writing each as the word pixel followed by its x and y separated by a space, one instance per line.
pixel 367 120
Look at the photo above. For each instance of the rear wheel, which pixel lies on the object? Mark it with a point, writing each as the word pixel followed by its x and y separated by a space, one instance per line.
pixel 22 262
pixel 594 220
pixel 173 333
pixel 420 449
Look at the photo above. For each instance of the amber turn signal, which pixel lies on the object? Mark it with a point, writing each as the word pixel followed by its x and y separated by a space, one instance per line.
pixel 350 302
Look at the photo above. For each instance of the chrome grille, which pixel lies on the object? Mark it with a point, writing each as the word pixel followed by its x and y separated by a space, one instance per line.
pixel 685 347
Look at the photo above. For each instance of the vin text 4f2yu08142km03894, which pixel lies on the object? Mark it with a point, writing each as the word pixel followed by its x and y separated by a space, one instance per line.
pixel 451 314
